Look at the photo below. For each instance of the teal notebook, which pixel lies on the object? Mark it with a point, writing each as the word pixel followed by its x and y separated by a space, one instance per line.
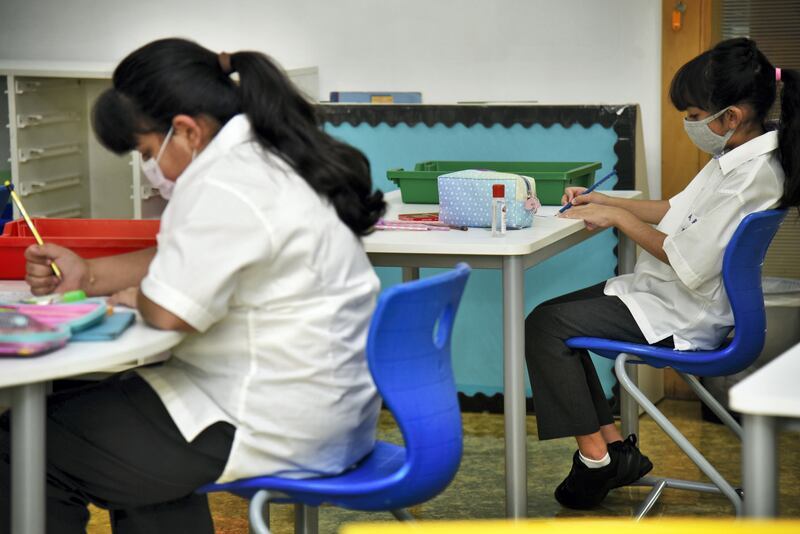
pixel 109 329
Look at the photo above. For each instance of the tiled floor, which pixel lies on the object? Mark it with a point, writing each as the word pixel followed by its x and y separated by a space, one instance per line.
pixel 478 490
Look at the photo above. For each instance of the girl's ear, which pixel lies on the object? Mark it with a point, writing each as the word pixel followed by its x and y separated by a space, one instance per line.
pixel 186 126
pixel 733 117
pixel 198 131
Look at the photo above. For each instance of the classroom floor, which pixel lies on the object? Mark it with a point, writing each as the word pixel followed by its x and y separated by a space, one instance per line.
pixel 478 490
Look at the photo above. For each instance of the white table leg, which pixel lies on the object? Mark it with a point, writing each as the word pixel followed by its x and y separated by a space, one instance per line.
pixel 306 519
pixel 514 387
pixel 28 458
pixel 760 466
pixel 629 410
pixel 410 273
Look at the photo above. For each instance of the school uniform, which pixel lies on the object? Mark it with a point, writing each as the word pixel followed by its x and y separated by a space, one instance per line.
pixel 681 304
pixel 281 292
pixel 275 380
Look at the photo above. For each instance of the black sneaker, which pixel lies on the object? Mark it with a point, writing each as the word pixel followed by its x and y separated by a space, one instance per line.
pixel 629 452
pixel 586 488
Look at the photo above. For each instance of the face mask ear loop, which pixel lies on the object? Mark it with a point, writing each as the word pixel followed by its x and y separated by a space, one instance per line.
pixel 724 113
pixel 715 116
pixel 164 144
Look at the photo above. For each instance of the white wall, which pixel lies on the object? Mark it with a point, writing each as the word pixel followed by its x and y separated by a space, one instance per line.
pixel 552 51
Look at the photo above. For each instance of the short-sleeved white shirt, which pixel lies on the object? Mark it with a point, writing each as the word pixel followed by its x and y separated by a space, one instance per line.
pixel 281 293
pixel 686 299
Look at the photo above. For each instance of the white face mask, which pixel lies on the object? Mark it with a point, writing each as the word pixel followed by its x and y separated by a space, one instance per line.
pixel 703 137
pixel 153 173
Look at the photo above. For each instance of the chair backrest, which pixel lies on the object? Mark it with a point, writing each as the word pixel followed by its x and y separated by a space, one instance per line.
pixel 408 350
pixel 741 274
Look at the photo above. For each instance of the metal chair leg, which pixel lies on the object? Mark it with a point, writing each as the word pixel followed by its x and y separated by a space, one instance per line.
pixel 401 514
pixel 259 524
pixel 650 500
pixel 674 434
pixel 713 404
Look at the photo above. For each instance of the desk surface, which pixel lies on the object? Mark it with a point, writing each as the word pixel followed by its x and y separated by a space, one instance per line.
pixel 135 345
pixel 546 230
pixel 772 390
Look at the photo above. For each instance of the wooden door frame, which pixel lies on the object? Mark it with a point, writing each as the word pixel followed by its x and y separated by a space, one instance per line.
pixel 700 29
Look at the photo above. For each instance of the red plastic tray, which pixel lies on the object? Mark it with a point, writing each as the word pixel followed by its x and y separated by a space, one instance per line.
pixel 89 238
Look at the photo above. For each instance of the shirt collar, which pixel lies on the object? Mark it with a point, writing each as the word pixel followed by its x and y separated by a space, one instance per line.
pixel 234 132
pixel 762 144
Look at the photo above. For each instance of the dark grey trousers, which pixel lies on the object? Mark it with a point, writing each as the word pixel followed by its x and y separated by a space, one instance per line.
pixel 567 394
pixel 113 444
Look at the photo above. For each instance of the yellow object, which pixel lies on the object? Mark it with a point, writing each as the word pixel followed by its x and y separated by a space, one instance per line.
pixel 582 526
pixel 28 220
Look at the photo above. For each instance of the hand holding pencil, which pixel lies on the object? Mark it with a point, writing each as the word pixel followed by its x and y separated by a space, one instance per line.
pixel 39 272
pixel 568 205
pixel 29 222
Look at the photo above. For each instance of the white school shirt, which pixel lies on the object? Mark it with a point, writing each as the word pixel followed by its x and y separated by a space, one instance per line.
pixel 281 293
pixel 686 299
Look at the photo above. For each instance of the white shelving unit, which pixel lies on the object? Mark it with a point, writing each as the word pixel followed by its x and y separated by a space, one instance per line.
pixel 56 164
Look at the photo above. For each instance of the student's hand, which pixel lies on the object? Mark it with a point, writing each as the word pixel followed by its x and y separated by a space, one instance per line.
pixel 126 297
pixel 39 273
pixel 573 194
pixel 570 193
pixel 594 215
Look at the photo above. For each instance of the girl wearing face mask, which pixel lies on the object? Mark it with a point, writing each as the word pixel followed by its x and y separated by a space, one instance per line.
pixel 675 296
pixel 259 260
pixel 152 170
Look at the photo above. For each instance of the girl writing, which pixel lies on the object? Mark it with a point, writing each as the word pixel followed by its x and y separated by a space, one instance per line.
pixel 259 261
pixel 675 296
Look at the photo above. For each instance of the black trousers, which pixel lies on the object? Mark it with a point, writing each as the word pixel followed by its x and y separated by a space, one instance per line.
pixel 113 444
pixel 567 394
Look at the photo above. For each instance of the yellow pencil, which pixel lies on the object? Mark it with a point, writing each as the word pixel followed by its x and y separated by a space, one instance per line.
pixel 28 220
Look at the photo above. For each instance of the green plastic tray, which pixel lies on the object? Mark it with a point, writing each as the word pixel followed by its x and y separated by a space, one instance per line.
pixel 552 177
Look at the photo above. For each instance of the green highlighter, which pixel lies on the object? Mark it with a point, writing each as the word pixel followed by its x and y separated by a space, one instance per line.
pixel 58 298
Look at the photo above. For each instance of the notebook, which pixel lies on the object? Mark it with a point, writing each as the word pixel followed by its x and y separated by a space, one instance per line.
pixel 109 329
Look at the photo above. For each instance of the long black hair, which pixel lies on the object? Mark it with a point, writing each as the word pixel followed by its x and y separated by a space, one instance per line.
pixel 169 77
pixel 735 72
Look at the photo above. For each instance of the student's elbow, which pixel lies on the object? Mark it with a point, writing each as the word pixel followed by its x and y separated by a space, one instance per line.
pixel 167 321
pixel 160 318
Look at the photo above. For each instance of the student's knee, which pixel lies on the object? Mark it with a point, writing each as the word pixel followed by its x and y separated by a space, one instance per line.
pixel 538 322
pixel 542 319
pixel 545 333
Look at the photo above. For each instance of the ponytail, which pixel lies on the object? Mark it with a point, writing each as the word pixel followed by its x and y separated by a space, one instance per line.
pixel 171 77
pixel 286 124
pixel 789 136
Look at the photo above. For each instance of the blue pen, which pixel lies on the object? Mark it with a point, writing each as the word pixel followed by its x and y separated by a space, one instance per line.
pixel 568 205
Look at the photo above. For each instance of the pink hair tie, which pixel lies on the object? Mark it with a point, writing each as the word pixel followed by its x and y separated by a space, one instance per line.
pixel 777 74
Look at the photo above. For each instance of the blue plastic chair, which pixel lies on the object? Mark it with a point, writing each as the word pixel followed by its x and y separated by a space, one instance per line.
pixel 408 351
pixel 741 274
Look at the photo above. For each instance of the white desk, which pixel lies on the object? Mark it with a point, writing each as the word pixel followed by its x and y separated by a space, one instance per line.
pixel 769 400
pixel 26 380
pixel 513 253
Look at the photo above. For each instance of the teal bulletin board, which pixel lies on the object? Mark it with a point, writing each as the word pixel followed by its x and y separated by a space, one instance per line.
pixel 392 143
